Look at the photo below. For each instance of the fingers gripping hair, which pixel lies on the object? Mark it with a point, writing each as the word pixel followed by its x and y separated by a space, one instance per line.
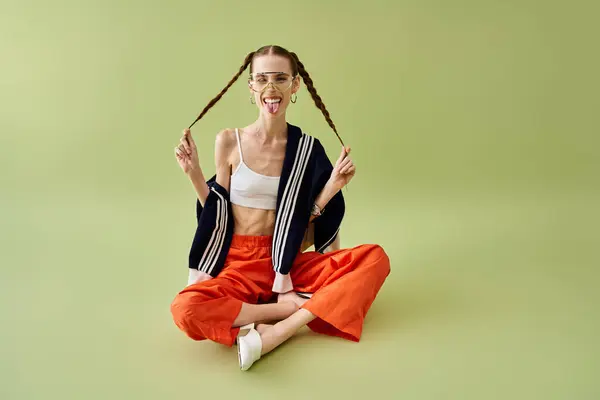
pixel 214 101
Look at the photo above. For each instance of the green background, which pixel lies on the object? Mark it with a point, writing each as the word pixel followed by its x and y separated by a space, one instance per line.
pixel 474 130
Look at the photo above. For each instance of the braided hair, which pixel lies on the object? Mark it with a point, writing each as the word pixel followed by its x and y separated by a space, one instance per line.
pixel 297 69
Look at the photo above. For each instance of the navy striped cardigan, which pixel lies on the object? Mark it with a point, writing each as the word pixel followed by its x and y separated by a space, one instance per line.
pixel 306 170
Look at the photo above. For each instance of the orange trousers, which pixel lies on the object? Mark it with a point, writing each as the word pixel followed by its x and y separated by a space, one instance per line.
pixel 344 284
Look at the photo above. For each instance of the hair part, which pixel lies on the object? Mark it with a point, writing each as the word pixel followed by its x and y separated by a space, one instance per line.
pixel 297 69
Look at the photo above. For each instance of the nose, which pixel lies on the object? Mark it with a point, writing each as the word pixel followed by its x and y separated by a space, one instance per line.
pixel 270 83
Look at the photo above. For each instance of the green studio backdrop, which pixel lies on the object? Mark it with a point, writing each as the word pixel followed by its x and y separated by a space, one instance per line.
pixel 473 128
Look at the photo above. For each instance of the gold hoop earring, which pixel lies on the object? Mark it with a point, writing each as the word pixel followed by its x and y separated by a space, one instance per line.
pixel 294 99
pixel 252 100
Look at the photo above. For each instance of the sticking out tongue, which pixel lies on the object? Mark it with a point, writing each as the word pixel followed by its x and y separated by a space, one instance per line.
pixel 272 107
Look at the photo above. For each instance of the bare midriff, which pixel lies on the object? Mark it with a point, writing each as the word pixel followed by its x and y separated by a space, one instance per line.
pixel 253 221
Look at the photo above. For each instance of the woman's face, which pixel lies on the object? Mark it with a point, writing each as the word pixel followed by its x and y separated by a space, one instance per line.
pixel 272 84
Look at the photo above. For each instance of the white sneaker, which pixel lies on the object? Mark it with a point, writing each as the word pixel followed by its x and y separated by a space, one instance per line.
pixel 243 331
pixel 249 349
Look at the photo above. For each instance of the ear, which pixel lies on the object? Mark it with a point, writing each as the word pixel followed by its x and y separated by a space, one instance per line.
pixel 296 84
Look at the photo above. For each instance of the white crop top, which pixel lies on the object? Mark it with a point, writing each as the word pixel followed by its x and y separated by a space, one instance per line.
pixel 251 189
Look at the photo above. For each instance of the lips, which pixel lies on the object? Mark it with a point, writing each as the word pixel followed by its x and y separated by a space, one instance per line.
pixel 271 99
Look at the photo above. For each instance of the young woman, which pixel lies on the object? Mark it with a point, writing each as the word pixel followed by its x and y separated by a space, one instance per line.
pixel 273 184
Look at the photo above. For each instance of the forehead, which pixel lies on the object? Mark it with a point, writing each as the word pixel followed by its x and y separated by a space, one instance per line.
pixel 271 63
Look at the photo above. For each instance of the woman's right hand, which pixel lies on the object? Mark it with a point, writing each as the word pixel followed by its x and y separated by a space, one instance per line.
pixel 186 153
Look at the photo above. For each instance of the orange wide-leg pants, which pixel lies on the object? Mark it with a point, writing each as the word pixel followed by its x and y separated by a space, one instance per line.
pixel 344 284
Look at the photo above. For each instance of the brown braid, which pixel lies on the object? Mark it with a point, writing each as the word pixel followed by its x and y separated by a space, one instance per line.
pixel 315 96
pixel 247 62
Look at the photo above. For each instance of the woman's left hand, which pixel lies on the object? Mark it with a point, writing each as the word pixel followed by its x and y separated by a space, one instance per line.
pixel 343 171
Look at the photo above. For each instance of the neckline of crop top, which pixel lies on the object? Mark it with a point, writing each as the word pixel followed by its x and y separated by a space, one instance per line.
pixel 251 189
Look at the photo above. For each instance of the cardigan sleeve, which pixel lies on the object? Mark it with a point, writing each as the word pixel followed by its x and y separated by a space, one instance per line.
pixel 282 283
pixel 328 224
pixel 213 234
